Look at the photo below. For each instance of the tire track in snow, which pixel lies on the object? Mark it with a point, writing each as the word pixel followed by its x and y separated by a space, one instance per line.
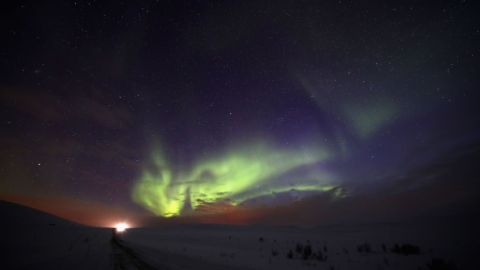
pixel 125 258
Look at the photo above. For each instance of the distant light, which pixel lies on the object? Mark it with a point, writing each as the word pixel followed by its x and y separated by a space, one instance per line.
pixel 121 227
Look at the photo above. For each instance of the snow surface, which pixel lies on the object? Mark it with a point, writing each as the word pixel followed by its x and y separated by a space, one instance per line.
pixel 263 247
pixel 35 240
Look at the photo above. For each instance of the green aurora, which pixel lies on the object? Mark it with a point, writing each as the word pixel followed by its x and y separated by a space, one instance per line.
pixel 243 173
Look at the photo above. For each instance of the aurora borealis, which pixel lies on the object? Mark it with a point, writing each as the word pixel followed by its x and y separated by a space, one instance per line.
pixel 239 112
pixel 238 175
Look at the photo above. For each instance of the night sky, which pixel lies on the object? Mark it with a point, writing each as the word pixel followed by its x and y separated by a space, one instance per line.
pixel 238 111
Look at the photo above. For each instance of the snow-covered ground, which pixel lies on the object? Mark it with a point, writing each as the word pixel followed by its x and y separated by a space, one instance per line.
pixel 333 247
pixel 35 240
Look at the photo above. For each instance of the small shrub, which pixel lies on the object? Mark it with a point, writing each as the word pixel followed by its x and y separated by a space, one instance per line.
pixel 439 264
pixel 299 248
pixel 364 248
pixel 290 254
pixel 274 253
pixel 307 252
pixel 406 249
pixel 320 256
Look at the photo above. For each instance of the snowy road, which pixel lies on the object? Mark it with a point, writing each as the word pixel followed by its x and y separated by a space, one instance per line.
pixel 131 255
pixel 124 257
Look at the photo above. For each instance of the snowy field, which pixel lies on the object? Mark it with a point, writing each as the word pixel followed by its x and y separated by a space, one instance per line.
pixel 35 240
pixel 381 246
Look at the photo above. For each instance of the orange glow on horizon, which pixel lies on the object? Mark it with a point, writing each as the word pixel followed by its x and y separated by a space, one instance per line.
pixel 84 212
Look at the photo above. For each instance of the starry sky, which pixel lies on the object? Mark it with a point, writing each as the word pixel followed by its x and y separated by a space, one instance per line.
pixel 239 111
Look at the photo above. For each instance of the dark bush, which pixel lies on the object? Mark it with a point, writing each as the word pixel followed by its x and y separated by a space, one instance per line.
pixel 439 264
pixel 274 253
pixel 299 248
pixel 290 254
pixel 307 252
pixel 364 248
pixel 320 256
pixel 406 249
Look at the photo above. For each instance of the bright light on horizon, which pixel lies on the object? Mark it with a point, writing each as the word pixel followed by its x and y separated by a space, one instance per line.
pixel 121 227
